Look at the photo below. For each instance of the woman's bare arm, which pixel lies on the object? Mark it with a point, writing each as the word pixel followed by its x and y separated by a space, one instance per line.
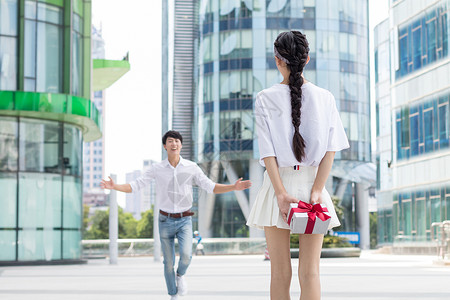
pixel 321 177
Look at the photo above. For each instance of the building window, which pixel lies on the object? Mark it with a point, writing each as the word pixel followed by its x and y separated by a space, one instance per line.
pixel 8 44
pixel 236 125
pixel 43 47
pixel 8 144
pixel 208 90
pixel 236 44
pixel 236 85
pixel 40 150
pixel 98 94
pixel 8 186
pixel 208 127
pixel 72 150
pixel 423 41
pixel 423 128
pixel 77 55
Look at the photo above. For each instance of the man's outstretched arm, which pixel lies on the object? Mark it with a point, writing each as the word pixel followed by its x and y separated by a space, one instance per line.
pixel 239 185
pixel 110 185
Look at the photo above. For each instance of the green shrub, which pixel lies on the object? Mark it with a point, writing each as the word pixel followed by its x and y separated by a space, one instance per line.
pixel 329 241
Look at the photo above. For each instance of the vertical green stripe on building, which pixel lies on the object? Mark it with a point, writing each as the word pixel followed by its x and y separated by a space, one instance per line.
pixel 59 3
pixel 78 7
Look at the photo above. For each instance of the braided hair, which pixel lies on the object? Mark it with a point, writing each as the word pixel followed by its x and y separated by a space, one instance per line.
pixel 293 48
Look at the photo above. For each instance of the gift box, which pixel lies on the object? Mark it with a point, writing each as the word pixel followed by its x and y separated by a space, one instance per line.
pixel 306 218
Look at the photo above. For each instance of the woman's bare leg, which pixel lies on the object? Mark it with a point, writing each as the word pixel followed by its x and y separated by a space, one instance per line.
pixel 278 245
pixel 310 246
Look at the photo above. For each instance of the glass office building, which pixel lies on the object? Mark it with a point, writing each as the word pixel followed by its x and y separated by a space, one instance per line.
pixel 236 61
pixel 45 114
pixel 413 121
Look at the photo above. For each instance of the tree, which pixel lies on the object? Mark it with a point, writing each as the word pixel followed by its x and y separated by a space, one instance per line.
pixel 339 211
pixel 145 225
pixel 100 226
pixel 85 219
pixel 373 230
pixel 127 225
pixel 129 228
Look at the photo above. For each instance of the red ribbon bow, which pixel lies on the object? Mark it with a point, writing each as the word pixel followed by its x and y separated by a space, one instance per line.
pixel 313 211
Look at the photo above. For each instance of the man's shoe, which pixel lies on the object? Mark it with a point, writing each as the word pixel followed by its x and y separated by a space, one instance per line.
pixel 181 285
pixel 174 297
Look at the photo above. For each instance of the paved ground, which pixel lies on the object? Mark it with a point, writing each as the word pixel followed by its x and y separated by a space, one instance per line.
pixel 373 277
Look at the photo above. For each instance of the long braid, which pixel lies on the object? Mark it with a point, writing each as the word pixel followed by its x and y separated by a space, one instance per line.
pixel 293 47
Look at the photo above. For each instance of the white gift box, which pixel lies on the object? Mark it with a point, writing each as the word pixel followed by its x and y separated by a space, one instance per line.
pixel 299 222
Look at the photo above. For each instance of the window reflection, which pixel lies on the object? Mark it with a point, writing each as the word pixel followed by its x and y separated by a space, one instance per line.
pixel 72 215
pixel 8 17
pixel 423 41
pixel 7 245
pixel 72 151
pixel 39 200
pixel 236 85
pixel 236 125
pixel 77 56
pixel 208 127
pixel 71 244
pixel 39 245
pixel 422 128
pixel 8 44
pixel 8 144
pixel 43 57
pixel 39 150
pixel 8 188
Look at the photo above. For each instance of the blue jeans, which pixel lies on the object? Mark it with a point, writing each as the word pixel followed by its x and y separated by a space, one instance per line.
pixel 169 229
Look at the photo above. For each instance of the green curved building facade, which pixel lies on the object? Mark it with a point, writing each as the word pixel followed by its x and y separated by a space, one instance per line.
pixel 45 115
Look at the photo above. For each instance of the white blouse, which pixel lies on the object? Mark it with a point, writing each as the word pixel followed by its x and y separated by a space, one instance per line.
pixel 321 126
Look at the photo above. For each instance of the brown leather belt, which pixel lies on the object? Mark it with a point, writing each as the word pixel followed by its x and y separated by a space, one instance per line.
pixel 187 213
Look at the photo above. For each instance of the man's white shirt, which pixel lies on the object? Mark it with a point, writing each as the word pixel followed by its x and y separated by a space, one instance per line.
pixel 174 184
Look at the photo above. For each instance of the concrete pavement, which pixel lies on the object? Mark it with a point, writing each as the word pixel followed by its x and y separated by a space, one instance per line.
pixel 372 276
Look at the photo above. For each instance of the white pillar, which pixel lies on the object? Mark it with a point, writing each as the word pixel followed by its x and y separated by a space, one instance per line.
pixel 362 215
pixel 257 178
pixel 206 204
pixel 113 225
pixel 340 190
pixel 329 185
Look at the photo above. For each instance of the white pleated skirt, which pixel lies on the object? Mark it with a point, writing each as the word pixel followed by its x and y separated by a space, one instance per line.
pixel 298 183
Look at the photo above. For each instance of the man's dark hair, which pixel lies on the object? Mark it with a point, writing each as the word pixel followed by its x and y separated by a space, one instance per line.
pixel 173 134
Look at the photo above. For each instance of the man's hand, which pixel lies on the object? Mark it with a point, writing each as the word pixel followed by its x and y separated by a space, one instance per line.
pixel 240 185
pixel 107 184
pixel 284 204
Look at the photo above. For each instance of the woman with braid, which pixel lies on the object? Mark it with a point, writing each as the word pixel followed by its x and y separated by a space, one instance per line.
pixel 299 131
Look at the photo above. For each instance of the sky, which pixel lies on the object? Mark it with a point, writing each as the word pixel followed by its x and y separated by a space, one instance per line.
pixel 132 108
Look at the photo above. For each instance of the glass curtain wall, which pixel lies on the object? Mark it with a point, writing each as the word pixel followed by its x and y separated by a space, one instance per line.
pixel 8 44
pixel 77 54
pixel 407 214
pixel 40 160
pixel 236 61
pixel 40 180
pixel 43 61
